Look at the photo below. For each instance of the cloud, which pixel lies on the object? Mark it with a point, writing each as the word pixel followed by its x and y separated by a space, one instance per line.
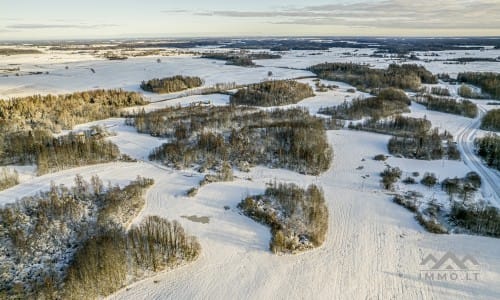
pixel 416 14
pixel 58 26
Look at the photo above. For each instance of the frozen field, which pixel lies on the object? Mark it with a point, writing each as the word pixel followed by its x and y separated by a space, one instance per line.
pixel 374 248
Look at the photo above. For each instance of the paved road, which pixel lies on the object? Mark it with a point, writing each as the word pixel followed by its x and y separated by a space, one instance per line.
pixel 491 178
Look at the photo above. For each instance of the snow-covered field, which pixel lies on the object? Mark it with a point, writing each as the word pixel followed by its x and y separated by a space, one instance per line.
pixel 374 248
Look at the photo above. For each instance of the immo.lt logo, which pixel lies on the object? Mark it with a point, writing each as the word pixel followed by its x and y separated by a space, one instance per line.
pixel 449 267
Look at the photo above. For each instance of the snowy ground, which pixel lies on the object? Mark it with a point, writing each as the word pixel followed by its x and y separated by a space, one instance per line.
pixel 373 249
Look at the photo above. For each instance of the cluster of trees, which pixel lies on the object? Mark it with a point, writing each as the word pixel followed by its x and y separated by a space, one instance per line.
pixel 51 153
pixel 406 76
pixel 210 135
pixel 464 108
pixel 171 84
pixel 428 145
pixel 56 112
pixel 488 82
pixel 491 121
pixel 463 188
pixel 103 264
pixel 72 243
pixel 478 218
pixel 8 178
pixel 388 102
pixel 272 93
pixel 298 218
pixel 467 92
pixel 488 147
pixel 397 125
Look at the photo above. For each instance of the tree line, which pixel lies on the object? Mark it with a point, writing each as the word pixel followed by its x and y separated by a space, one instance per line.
pixel 464 107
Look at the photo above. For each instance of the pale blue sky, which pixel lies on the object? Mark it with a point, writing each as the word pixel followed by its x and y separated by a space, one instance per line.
pixel 53 19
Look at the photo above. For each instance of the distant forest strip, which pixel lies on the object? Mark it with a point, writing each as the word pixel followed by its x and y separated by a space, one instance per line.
pixel 244 59
pixel 208 136
pixel 272 93
pixel 16 51
pixel 406 76
pixel 171 84
pixel 488 82
pixel 72 243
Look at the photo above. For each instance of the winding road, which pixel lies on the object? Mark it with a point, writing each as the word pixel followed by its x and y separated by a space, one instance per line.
pixel 491 178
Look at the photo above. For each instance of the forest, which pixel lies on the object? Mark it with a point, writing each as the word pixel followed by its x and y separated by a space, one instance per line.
pixel 171 84
pixel 488 148
pixel 207 136
pixel 298 217
pixel 27 125
pixel 388 102
pixel 488 82
pixel 272 93
pixel 491 121
pixel 464 107
pixel 71 243
pixel 56 112
pixel 405 77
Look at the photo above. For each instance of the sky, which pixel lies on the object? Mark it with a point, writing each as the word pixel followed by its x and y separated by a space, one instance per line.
pixel 68 19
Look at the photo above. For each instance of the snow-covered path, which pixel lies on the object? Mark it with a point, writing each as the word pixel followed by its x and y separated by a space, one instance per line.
pixel 465 142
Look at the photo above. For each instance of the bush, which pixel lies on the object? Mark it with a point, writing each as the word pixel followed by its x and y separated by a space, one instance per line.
pixel 390 176
pixel 429 180
pixel 409 180
pixel 380 157
pixel 431 225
